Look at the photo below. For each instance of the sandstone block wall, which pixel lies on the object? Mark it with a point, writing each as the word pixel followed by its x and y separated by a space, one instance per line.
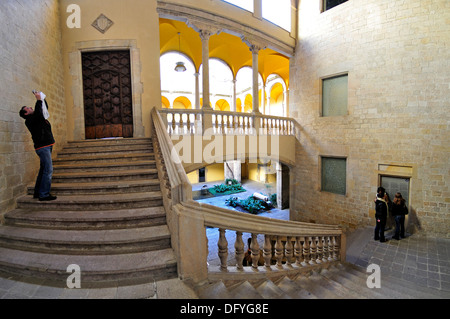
pixel 397 57
pixel 30 59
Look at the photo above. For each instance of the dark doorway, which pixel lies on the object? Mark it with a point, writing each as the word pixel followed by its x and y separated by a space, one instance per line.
pixel 393 185
pixel 108 110
pixel 285 186
pixel 201 175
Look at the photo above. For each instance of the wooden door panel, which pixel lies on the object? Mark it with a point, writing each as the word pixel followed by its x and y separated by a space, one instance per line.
pixel 107 94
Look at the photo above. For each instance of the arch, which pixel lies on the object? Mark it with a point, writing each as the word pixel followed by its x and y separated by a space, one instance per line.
pixel 220 78
pixel 238 105
pixel 222 105
pixel 173 81
pixel 276 103
pixel 165 102
pixel 277 93
pixel 248 103
pixel 201 103
pixel 182 102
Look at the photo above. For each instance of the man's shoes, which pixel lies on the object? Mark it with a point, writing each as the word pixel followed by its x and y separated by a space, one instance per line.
pixel 48 198
pixel 396 237
pixel 36 196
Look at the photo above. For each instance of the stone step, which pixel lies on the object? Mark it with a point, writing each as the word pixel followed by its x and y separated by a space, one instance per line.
pixel 90 151
pixel 104 158
pixel 290 288
pixel 244 290
pixel 97 219
pixel 105 176
pixel 360 287
pixel 212 290
pixel 108 142
pixel 96 167
pixel 95 270
pixel 93 202
pixel 85 242
pixel 397 287
pixel 89 147
pixel 110 187
pixel 269 290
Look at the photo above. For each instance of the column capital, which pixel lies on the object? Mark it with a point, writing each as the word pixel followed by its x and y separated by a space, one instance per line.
pixel 254 45
pixel 205 30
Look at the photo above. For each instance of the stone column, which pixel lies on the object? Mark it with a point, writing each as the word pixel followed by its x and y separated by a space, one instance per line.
pixel 205 35
pixel 197 91
pixel 233 102
pixel 255 50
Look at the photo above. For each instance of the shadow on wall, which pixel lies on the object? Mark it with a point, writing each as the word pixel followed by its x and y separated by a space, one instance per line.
pixel 412 222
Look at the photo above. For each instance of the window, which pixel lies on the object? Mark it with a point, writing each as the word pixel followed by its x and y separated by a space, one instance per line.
pixel 328 4
pixel 334 175
pixel 244 4
pixel 278 12
pixel 335 96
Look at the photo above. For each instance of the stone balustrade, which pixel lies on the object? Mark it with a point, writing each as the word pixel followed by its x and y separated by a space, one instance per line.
pixel 192 121
pixel 288 246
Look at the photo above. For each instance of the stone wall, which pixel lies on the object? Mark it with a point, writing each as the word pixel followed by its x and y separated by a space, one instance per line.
pixel 30 59
pixel 397 57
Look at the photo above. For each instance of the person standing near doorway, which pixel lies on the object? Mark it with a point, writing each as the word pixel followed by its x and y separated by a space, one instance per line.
pixel 381 209
pixel 399 210
pixel 41 133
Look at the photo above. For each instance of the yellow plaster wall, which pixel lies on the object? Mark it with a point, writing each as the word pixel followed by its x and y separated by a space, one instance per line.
pixel 133 20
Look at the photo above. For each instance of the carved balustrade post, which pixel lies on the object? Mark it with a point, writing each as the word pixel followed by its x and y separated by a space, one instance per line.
pixel 279 252
pixel 267 249
pixel 313 250
pixel 223 249
pixel 288 250
pixel 325 248
pixel 239 247
pixel 298 251
pixel 254 246
pixel 306 251
pixel 330 248
pixel 336 248
pixel 319 246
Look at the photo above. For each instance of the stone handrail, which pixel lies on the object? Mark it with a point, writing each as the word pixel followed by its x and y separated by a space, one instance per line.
pixel 288 246
pixel 192 121
pixel 176 184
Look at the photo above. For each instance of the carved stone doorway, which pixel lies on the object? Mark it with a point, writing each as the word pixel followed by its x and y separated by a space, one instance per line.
pixel 107 94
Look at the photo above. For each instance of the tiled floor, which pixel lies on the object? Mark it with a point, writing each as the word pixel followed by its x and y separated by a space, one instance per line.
pixel 417 258
pixel 420 259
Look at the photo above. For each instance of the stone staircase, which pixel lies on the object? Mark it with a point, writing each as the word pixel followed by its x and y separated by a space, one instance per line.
pixel 339 281
pixel 108 219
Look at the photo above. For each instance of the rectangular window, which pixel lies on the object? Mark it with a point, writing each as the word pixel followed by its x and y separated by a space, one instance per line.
pixel 334 175
pixel 335 96
pixel 328 4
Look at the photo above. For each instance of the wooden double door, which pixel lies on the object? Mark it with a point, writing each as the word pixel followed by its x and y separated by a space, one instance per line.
pixel 108 110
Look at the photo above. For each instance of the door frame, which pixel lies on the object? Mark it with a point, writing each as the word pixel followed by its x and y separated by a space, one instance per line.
pixel 75 65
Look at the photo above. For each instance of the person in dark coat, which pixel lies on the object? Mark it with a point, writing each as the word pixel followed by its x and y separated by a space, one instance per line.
pixel 43 140
pixel 399 210
pixel 381 209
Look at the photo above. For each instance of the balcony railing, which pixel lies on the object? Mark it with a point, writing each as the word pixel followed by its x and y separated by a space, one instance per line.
pixel 189 121
pixel 287 246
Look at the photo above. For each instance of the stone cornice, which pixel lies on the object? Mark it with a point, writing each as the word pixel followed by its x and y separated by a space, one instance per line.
pixel 200 19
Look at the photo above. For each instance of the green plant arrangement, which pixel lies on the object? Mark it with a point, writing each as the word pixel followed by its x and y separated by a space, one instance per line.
pixel 227 188
pixel 251 204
